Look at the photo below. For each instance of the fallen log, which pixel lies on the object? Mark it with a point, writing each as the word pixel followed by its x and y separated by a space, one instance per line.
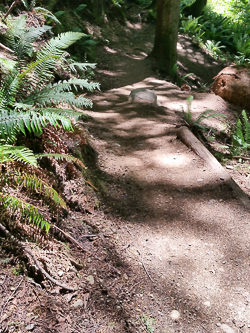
pixel 190 140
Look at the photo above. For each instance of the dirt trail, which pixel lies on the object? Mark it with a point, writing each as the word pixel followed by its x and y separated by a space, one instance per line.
pixel 184 235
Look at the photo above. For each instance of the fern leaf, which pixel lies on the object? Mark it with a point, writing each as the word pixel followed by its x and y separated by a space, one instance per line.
pixel 25 3
pixel 33 120
pixel 34 185
pixel 27 211
pixel 7 65
pixel 17 153
pixel 46 13
pixel 61 157
pixel 55 47
pixel 246 126
pixel 49 96
pixel 82 66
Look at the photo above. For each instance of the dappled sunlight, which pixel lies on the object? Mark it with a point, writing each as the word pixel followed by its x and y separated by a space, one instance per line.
pixel 110 73
pixel 171 160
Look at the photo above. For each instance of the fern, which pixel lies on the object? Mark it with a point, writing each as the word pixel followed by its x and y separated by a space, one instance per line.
pixel 61 157
pixel 12 153
pixel 27 211
pixel 36 185
pixel 81 66
pixel 20 38
pixel 246 126
pixel 59 93
pixel 56 47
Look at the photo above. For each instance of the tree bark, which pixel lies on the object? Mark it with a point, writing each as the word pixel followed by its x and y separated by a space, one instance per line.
pixel 166 34
pixel 195 9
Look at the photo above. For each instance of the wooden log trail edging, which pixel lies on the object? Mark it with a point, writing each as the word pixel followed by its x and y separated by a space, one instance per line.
pixel 190 140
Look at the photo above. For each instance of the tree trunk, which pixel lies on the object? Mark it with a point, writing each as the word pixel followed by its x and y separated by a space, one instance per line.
pixel 195 9
pixel 166 34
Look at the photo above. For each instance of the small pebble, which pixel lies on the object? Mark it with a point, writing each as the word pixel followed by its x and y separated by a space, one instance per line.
pixel 30 327
pixel 207 303
pixel 175 315
pixel 227 329
pixel 90 279
pixel 78 303
pixel 60 273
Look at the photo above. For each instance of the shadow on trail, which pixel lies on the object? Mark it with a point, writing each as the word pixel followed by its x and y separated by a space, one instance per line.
pixel 192 228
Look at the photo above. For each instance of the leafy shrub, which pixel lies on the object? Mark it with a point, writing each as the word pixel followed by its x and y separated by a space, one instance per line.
pixel 240 136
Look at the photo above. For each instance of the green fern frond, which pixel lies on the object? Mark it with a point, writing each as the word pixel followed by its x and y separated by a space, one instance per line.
pixel 17 153
pixel 60 93
pixel 207 114
pixel 82 66
pixel 46 13
pixel 20 38
pixel 7 65
pixel 55 47
pixel 246 126
pixel 25 3
pixel 48 97
pixel 33 120
pixel 36 185
pixel 27 211
pixel 62 157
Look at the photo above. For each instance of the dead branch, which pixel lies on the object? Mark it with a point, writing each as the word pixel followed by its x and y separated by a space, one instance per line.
pixel 190 140
pixel 42 270
pixel 6 48
pixel 88 182
pixel 13 5
pixel 70 238
pixel 243 157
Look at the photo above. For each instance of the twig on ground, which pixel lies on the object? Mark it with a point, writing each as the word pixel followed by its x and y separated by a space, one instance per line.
pixel 145 268
pixel 73 240
pixel 42 270
pixel 10 297
pixel 243 157
pixel 6 48
pixel 88 182
pixel 133 287
pixel 127 246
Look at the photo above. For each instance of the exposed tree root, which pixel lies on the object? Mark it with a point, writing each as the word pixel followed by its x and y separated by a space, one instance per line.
pixel 42 270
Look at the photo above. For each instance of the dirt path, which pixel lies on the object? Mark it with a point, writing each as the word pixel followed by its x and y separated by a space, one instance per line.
pixel 183 234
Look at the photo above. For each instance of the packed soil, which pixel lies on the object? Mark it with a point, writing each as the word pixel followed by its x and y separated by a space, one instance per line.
pixel 166 245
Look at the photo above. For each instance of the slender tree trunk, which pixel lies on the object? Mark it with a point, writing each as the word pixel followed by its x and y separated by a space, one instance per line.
pixel 166 34
pixel 196 8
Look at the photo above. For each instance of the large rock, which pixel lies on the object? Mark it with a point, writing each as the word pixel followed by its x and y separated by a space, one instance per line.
pixel 143 95
pixel 233 85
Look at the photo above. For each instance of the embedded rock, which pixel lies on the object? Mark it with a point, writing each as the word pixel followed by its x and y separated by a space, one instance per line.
pixel 143 95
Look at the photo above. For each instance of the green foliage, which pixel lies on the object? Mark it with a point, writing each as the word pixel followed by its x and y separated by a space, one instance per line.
pixel 179 80
pixel 195 124
pixel 191 26
pixel 29 101
pixel 61 157
pixel 149 322
pixel 13 153
pixel 26 210
pixel 240 136
pixel 214 48
pixel 222 30
pixel 39 11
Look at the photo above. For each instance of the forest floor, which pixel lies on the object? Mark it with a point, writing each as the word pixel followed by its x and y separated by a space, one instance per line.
pixel 170 251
